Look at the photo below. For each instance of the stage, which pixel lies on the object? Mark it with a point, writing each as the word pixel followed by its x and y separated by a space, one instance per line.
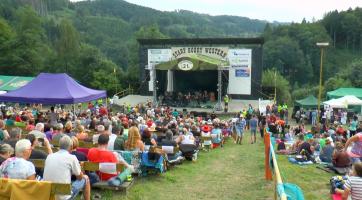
pixel 235 105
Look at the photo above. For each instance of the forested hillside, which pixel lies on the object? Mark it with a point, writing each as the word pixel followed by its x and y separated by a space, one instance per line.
pixel 90 39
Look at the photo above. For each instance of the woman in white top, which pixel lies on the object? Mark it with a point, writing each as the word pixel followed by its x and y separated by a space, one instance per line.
pixel 186 138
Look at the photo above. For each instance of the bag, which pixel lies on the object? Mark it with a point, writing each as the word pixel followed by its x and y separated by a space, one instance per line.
pixel 337 182
pixel 301 158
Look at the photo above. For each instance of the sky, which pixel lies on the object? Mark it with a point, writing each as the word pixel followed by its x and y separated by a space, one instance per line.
pixel 271 10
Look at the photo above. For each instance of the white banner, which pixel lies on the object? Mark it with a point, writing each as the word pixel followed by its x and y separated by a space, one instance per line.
pixel 240 71
pixel 263 104
pixel 156 56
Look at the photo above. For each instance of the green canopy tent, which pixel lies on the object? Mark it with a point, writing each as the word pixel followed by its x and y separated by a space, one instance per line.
pixel 308 102
pixel 9 83
pixel 200 62
pixel 341 92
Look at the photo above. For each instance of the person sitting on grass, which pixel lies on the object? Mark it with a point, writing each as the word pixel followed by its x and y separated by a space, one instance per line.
pixel 281 149
pixel 353 184
pixel 306 149
pixel 326 152
pixel 19 167
pixel 340 157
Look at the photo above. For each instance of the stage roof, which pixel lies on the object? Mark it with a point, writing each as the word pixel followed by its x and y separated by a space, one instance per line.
pixel 200 62
pixel 206 41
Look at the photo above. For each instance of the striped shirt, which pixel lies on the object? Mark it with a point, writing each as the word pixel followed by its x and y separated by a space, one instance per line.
pixel 354 183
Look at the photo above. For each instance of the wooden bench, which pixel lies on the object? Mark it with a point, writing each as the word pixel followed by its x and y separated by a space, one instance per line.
pixel 82 144
pixel 93 167
pixel 42 148
pixel 56 188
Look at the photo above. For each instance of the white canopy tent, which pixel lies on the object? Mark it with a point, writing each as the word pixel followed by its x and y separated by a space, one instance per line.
pixel 344 102
pixel 351 100
pixel 335 103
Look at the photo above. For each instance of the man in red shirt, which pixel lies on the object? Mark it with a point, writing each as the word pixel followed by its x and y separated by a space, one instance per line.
pixel 102 155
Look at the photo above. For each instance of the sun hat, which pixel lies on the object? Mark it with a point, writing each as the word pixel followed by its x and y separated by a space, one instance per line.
pixel 205 128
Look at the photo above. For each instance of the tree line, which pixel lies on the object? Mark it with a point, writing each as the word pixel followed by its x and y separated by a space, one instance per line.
pixel 95 42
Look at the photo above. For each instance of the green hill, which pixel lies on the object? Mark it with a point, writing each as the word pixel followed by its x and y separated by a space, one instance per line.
pixel 91 39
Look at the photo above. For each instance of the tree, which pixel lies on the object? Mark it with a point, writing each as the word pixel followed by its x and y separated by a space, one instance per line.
pixel 7 36
pixel 335 83
pixel 284 54
pixel 273 79
pixel 150 32
pixel 355 75
pixel 67 45
pixel 104 78
pixel 30 49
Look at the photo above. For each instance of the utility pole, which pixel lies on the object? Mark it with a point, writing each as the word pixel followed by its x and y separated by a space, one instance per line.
pixel 321 45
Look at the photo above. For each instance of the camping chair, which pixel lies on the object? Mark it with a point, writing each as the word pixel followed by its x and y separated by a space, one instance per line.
pixel 153 161
pixel 206 142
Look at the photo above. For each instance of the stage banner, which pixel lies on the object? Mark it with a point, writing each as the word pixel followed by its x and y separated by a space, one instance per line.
pixel 220 53
pixel 156 56
pixel 240 71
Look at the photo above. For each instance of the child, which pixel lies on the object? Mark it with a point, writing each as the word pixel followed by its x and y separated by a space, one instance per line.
pixel 353 185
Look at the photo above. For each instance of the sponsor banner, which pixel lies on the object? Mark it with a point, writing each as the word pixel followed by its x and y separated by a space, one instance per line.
pixel 220 53
pixel 157 56
pixel 240 58
pixel 240 71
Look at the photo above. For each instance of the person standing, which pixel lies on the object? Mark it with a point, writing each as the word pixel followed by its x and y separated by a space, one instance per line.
pixel 53 117
pixel 226 102
pixel 240 126
pixel 253 126
pixel 314 117
pixel 262 124
pixel 353 126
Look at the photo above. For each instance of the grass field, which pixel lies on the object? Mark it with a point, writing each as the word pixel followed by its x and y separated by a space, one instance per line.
pixel 232 172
